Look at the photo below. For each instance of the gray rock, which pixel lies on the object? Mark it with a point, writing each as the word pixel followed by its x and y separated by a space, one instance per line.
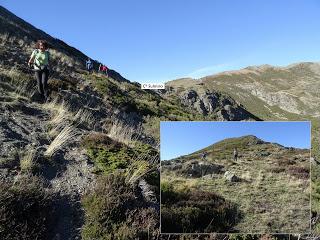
pixel 208 176
pixel 231 177
pixel 264 154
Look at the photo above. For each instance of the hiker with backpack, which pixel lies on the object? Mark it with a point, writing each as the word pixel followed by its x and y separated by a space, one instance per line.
pixel 235 154
pixel 40 59
pixel 89 65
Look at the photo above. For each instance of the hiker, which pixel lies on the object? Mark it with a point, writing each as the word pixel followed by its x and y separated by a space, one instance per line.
pixel 103 68
pixel 203 155
pixel 40 58
pixel 235 154
pixel 89 65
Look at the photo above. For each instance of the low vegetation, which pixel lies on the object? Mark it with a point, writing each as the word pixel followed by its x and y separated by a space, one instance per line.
pixel 115 210
pixel 110 155
pixel 195 211
pixel 26 209
pixel 273 193
pixel 131 98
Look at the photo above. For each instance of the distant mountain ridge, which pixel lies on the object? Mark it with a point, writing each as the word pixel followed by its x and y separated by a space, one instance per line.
pixel 268 92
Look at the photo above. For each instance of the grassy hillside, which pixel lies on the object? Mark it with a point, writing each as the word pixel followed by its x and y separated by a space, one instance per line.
pixel 272 187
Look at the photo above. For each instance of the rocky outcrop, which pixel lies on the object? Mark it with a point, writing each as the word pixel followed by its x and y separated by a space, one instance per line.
pixel 212 103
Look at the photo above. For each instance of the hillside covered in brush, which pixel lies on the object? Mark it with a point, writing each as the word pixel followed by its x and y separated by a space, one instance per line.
pixel 267 190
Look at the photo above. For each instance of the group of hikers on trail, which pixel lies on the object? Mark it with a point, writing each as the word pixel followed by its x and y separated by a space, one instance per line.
pixel 235 155
pixel 40 61
pixel 102 68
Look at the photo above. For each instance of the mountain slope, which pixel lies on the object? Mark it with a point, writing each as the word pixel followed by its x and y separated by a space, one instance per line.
pixel 269 92
pixel 269 183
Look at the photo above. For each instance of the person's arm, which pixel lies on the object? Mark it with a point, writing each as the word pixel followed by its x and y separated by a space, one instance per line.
pixel 31 60
pixel 49 59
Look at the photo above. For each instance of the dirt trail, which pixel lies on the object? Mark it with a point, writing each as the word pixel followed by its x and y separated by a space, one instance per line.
pixel 24 126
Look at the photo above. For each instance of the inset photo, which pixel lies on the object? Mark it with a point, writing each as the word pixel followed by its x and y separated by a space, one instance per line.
pixel 235 177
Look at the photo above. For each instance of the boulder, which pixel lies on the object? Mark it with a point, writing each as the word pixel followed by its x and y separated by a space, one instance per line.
pixel 231 177
pixel 264 154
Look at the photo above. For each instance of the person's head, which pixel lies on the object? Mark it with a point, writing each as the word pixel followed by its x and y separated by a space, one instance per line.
pixel 42 45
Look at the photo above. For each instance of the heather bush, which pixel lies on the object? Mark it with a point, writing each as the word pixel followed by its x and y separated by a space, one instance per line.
pixel 299 172
pixel 195 211
pixel 115 210
pixel 26 209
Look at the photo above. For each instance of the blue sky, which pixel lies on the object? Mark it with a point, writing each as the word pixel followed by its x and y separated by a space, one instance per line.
pixel 156 41
pixel 180 138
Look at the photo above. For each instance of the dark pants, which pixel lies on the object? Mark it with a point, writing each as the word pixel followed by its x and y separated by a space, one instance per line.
pixel 42 78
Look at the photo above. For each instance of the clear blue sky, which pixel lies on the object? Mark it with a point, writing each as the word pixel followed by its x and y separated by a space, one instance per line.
pixel 163 40
pixel 180 138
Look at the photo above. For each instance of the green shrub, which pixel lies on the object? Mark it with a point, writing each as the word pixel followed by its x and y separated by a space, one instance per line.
pixel 109 155
pixel 108 160
pixel 115 210
pixel 26 209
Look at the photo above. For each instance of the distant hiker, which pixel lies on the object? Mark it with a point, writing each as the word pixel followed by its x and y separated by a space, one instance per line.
pixel 103 68
pixel 89 65
pixel 203 155
pixel 40 58
pixel 235 154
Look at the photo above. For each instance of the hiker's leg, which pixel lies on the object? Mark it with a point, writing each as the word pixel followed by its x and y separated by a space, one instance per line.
pixel 39 80
pixel 45 75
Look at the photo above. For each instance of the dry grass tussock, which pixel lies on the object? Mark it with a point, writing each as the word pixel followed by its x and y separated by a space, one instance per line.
pixel 61 115
pixel 137 170
pixel 59 111
pixel 27 163
pixel 23 84
pixel 84 116
pixel 61 140
pixel 124 133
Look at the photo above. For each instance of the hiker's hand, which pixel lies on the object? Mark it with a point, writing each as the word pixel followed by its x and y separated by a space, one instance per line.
pixel 29 64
